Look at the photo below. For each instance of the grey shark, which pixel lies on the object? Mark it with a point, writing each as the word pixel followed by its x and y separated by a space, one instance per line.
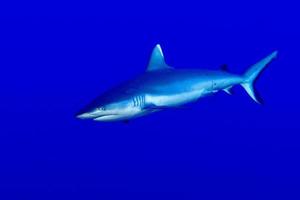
pixel 163 87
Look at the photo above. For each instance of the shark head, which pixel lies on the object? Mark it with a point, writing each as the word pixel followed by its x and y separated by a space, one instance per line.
pixel 113 111
pixel 125 101
pixel 112 106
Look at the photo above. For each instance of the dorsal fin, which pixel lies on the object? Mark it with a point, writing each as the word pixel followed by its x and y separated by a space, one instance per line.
pixel 157 60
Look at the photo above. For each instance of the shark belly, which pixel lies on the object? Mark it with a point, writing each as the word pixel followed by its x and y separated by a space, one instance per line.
pixel 175 99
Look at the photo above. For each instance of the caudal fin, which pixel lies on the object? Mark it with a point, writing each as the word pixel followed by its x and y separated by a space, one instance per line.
pixel 252 73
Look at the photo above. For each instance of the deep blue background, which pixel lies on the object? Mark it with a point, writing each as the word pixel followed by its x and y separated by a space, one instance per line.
pixel 56 57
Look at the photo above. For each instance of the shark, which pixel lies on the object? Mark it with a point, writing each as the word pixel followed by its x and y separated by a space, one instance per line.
pixel 162 87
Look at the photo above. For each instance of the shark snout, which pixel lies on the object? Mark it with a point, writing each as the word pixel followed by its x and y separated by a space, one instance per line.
pixel 84 116
pixel 93 114
pixel 88 114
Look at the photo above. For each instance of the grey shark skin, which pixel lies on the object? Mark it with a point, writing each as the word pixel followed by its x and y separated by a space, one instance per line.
pixel 162 87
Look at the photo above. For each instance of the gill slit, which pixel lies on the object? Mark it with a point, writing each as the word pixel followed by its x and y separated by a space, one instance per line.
pixel 139 101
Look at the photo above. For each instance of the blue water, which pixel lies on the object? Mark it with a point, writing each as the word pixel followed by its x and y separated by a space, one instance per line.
pixel 56 57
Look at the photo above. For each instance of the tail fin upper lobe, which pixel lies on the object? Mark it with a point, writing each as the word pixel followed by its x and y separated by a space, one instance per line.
pixel 252 73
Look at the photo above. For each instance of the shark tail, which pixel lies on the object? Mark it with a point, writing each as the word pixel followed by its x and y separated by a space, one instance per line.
pixel 251 75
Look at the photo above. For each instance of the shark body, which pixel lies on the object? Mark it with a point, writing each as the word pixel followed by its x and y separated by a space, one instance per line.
pixel 162 87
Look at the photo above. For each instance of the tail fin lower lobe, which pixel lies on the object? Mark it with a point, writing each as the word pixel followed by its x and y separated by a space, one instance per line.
pixel 253 72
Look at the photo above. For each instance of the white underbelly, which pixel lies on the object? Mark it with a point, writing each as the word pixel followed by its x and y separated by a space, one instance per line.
pixel 174 99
